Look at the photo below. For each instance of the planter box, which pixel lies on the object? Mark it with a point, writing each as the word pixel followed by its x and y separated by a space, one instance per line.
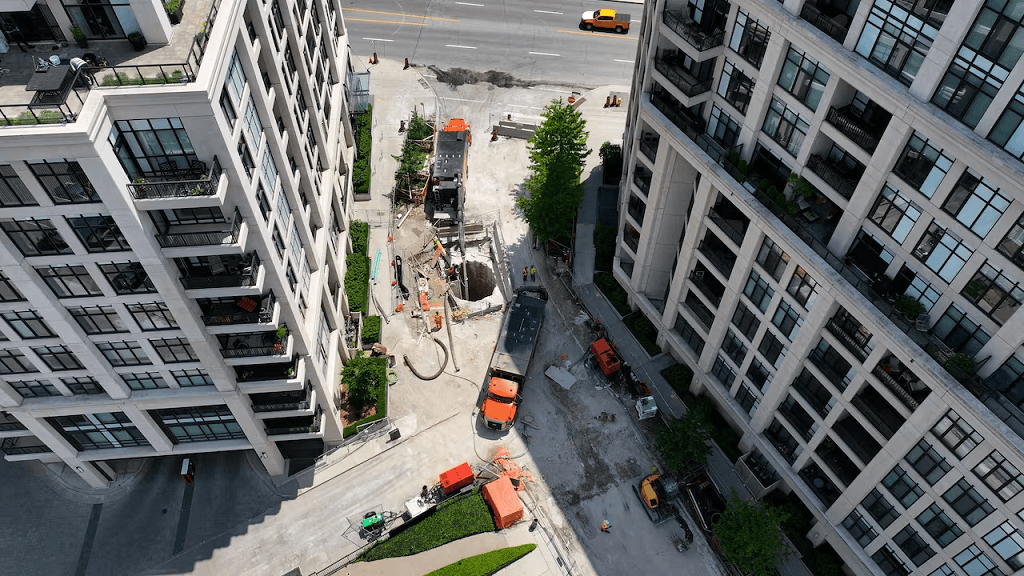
pixel 138 42
pixel 175 17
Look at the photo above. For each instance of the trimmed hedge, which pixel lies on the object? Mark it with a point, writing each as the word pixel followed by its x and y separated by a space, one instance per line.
pixel 380 367
pixel 678 377
pixel 615 293
pixel 357 274
pixel 645 332
pixel 364 140
pixel 604 247
pixel 454 519
pixel 371 329
pixel 486 563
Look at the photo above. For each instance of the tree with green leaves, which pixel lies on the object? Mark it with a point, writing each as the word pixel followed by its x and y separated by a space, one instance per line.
pixel 558 150
pixel 750 535
pixel 683 444
pixel 362 376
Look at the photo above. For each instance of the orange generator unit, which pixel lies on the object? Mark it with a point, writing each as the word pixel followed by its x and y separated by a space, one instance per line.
pixel 605 357
pixel 457 478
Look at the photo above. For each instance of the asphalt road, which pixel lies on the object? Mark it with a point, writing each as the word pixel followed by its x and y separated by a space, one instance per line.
pixel 533 40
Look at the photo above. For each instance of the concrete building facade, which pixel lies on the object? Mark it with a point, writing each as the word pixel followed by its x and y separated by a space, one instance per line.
pixel 821 214
pixel 174 243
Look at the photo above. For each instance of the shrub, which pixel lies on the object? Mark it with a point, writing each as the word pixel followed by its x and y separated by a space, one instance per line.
pixel 723 434
pixel 371 329
pixel 171 6
pixel 908 307
pixel 364 140
pixel 604 247
pixel 616 294
pixel 611 162
pixel 360 234
pixel 454 519
pixel 418 128
pixel 678 377
pixel 381 411
pixel 486 563
pixel 357 276
pixel 644 331
pixel 362 376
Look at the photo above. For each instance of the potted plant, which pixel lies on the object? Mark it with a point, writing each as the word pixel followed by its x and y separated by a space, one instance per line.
pixel 800 186
pixel 909 307
pixel 174 9
pixel 280 334
pixel 79 35
pixel 137 40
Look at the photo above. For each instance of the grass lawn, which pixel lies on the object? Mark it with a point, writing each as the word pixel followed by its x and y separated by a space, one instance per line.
pixel 644 331
pixel 454 519
pixel 616 294
pixel 486 563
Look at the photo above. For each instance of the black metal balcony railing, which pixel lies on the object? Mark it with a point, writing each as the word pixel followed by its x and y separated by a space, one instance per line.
pixel 800 420
pixel 838 462
pixel 729 227
pixel 691 31
pixel 262 345
pixel 846 120
pixel 860 441
pixel 700 311
pixel 829 26
pixel 849 340
pixel 720 259
pixel 246 278
pixel 642 180
pixel 281 401
pixel 682 79
pixel 868 411
pixel 895 387
pixel 22 445
pixel 170 187
pixel 783 442
pixel 844 185
pixel 264 372
pixel 235 316
pixel 299 425
pixel 678 115
pixel 649 148
pixel 715 296
pixel 215 238
pixel 828 369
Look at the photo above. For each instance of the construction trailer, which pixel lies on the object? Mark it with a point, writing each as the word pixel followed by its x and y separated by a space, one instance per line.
pixel 446 195
pixel 506 376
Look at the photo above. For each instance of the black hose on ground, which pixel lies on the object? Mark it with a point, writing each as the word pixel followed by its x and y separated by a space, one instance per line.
pixel 439 370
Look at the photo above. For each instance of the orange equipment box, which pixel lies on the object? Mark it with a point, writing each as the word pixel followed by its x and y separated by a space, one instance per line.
pixel 605 357
pixel 504 502
pixel 455 479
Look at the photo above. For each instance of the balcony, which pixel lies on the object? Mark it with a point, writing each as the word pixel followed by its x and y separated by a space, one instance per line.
pixel 291 400
pixel 680 78
pixel 708 285
pixel 761 470
pixel 730 220
pixel 814 393
pixel 225 271
pixel 9 423
pixel 203 236
pixel 820 484
pixel 798 418
pixel 878 412
pixel 842 179
pixel 673 109
pixel 904 384
pixel 858 127
pixel 827 19
pixel 23 445
pixel 857 438
pixel 175 182
pixel 642 178
pixel 718 254
pixel 227 311
pixel 268 372
pixel 295 425
pixel 249 345
pixel 694 34
pixel 851 333
pixel 649 145
pixel 837 461
pixel 783 441
pixel 832 366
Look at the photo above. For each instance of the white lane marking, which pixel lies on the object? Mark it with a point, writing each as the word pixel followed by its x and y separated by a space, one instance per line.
pixel 544 54
pixel 634 20
pixel 524 106
pixel 626 61
pixel 470 4
pixel 548 12
pixel 461 99
pixel 378 39
pixel 457 46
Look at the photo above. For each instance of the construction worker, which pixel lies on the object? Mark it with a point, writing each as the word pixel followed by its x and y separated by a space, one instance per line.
pixel 533 273
pixel 526 273
pixel 605 526
pixel 438 319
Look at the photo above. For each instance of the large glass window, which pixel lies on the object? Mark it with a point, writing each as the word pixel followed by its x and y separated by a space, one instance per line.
pixel 199 423
pixel 127 277
pixel 786 127
pixel 960 332
pixel 12 361
pixel 889 563
pixel 12 190
pixel 927 461
pixel 772 259
pixel 736 87
pixel 913 545
pixel 860 529
pixel 253 125
pixel 995 294
pixel 193 377
pixel 803 288
pixel 976 203
pixel 28 324
pixel 152 316
pixel 956 434
pixel 58 358
pixel 902 486
pixel 746 321
pixel 1012 245
pixel 101 20
pixel 758 375
pixel 152 147
pixel 35 237
pixel 895 41
pixel 880 508
pixel 722 128
pixel 64 181
pixel 98 319
pixel 723 372
pixel 83 385
pixel 1008 543
pixel 939 525
pixel 967 502
pixel 8 293
pixel 35 388
pixel 1008 379
pixel 734 348
pixel 942 251
pixel 174 350
pixel 772 349
pixel 894 213
pixel 98 232
pixel 759 292
pixel 786 319
pixel 749 38
pixel 747 400
pixel 803 77
pixel 268 170
pixel 976 563
pixel 690 337
pixel 98 431
pixel 235 80
pixel 1000 475
pixel 145 380
pixel 923 165
pixel 127 353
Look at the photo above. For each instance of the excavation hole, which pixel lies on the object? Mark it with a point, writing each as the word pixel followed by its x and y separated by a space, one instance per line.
pixel 480 278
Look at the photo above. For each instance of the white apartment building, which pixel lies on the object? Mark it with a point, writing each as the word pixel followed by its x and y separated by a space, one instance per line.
pixel 173 252
pixel 860 326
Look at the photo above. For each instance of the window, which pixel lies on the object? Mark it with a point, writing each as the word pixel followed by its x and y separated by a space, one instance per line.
pixel 759 292
pixel 723 372
pixel 690 336
pixel 967 502
pixel 832 364
pixel 811 390
pixel 235 81
pixel 98 319
pixel 199 423
pixel 228 108
pixel 1012 244
pixel 749 38
pixel 785 127
pixel 736 87
pixel 98 232
pixel 58 358
pixel 976 563
pixel 922 291
pixel 943 570
pixel 279 244
pixel 253 125
pixel 99 431
pixel 939 525
pixel 127 277
pixel 35 388
pixel 83 385
pixel 636 208
pixel 922 165
pixel 956 434
pixel 12 190
pixel 802 287
pixel 174 350
pixel 8 293
pixel 772 350
pixel 772 259
pixel 1008 543
pixel 36 237
pixel 889 562
pixel 152 316
pixel 998 474
pixel 64 181
pixel 942 251
pixel 746 321
pixel 895 41
pixel 153 146
pixel 960 332
pixel 126 353
pixel 246 157
pixel 28 324
pixel 786 319
pixel 984 60
pixel 189 378
pixel 996 295
pixel 913 545
pixel 699 309
pixel 803 77
pixel 880 508
pixel 976 203
pixel 859 528
pixel 12 361
pixel 734 348
pixel 296 241
pixel 1008 380
pixel 894 213
pixel 747 399
pixel 722 128
pixel 269 170
pixel 928 462
pixel 145 380
pixel 758 375
pixel 902 486
pixel 264 204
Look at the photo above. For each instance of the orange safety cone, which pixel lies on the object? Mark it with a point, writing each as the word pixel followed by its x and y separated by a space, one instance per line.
pixel 607 101
pixel 390 238
pixel 399 308
pixel 371 60
pixel 494 135
pixel 375 60
pixel 406 64
pixel 394 282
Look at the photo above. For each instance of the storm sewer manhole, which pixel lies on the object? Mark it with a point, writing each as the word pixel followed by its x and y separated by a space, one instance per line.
pixel 480 280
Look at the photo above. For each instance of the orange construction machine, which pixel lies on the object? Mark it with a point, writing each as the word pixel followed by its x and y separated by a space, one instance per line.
pixel 447 191
pixel 605 357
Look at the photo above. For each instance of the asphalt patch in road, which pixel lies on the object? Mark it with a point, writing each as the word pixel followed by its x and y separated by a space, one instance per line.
pixel 459 76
